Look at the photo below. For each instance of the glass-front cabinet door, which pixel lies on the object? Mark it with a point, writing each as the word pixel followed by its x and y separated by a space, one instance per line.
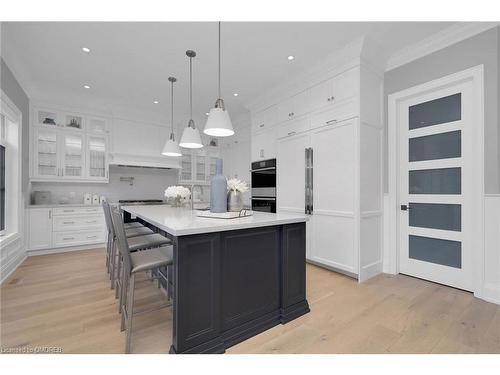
pixel 211 168
pixel 72 153
pixel 201 172
pixel 46 153
pixel 186 172
pixel 96 157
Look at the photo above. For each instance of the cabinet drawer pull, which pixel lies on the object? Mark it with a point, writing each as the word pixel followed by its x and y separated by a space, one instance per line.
pixel 261 125
pixel 68 222
pixel 292 133
pixel 331 122
pixel 68 238
pixel 91 222
pixel 68 210
pixel 89 237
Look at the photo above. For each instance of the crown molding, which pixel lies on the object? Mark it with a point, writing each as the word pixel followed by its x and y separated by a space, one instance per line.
pixel 451 35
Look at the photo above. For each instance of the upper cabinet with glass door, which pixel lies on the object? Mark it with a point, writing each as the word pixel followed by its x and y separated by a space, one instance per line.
pixel 69 146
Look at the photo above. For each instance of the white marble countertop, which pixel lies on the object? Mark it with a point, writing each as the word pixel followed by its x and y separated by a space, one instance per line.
pixel 182 221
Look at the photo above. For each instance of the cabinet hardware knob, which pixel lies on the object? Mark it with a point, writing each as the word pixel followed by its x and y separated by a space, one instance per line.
pixel 261 125
pixel 333 98
pixel 292 133
pixel 331 122
pixel 329 99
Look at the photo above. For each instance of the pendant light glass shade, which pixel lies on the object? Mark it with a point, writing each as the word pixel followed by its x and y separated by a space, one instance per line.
pixel 191 136
pixel 218 122
pixel 171 147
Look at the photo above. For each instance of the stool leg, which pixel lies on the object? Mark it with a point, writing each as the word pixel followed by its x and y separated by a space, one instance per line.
pixel 111 259
pixel 130 313
pixel 118 275
pixel 114 263
pixel 123 298
pixel 107 253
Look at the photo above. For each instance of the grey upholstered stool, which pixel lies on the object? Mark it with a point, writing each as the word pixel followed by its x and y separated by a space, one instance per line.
pixel 133 263
pixel 141 238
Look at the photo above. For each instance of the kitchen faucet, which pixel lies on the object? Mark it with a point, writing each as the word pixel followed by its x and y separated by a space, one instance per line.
pixel 192 194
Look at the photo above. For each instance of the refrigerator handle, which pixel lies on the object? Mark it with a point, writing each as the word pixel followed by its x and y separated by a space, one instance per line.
pixel 308 181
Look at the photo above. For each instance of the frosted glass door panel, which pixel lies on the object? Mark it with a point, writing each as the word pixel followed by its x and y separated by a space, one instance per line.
pixel 73 155
pixel 437 146
pixel 47 153
pixel 97 157
pixel 435 250
pixel 436 216
pixel 186 167
pixel 200 168
pixel 437 111
pixel 435 181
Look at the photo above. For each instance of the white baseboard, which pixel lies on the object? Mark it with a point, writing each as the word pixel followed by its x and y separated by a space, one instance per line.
pixel 65 249
pixel 370 270
pixel 491 293
pixel 9 267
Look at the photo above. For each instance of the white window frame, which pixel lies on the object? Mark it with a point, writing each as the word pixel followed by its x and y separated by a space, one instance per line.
pixel 13 221
pixel 476 74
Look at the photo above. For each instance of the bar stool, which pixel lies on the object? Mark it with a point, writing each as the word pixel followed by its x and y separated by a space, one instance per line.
pixel 107 217
pixel 141 238
pixel 133 263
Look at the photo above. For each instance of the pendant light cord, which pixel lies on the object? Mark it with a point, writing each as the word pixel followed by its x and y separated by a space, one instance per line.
pixel 172 106
pixel 191 87
pixel 219 60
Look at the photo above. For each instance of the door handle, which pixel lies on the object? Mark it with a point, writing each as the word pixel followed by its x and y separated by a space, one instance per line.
pixel 405 207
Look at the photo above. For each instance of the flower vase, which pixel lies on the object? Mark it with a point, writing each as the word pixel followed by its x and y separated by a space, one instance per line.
pixel 176 202
pixel 234 201
pixel 218 190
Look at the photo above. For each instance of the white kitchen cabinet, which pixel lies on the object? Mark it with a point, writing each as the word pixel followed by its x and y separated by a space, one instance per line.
pixel 72 155
pixel 290 179
pixel 39 228
pixel 198 166
pixel 334 185
pixel 263 145
pixel 265 119
pixel 345 135
pixel 68 146
pixel 97 125
pixel 46 163
pixel 97 166
pixel 335 90
pixel 293 107
pixel 55 227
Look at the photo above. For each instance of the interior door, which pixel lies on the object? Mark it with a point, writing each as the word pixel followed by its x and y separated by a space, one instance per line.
pixel 435 192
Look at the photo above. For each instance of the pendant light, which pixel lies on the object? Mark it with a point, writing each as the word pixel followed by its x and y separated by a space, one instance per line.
pixel 191 136
pixel 218 122
pixel 171 147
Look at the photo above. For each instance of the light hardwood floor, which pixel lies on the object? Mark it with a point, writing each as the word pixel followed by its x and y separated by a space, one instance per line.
pixel 64 300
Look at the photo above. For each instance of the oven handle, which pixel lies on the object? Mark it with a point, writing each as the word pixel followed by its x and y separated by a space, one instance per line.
pixel 263 199
pixel 262 169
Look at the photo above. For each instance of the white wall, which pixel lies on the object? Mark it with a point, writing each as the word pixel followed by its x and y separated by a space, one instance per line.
pixel 491 287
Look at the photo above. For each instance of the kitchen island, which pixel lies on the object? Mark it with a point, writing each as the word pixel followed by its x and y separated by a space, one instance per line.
pixel 232 278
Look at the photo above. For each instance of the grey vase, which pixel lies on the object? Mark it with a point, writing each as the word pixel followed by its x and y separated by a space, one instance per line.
pixel 234 201
pixel 218 190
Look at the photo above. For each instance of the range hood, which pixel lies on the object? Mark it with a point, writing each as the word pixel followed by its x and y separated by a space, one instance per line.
pixel 163 162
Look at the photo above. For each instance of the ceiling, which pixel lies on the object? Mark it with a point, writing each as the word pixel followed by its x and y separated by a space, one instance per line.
pixel 130 62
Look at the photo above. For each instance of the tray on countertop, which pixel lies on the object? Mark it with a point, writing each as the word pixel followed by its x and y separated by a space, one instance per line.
pixel 224 215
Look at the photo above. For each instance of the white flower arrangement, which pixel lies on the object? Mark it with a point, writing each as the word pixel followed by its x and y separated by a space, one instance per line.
pixel 178 194
pixel 237 185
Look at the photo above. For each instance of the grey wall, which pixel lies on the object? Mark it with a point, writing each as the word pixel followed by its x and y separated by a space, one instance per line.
pixel 481 49
pixel 148 184
pixel 15 92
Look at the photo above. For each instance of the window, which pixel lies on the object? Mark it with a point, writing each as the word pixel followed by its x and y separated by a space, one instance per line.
pixel 11 202
pixel 2 174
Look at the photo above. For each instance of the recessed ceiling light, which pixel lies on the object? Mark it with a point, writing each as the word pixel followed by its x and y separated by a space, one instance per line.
pixel 155 101
pixel 235 94
pixel 85 49
pixel 86 86
pixel 291 57
pixel 207 113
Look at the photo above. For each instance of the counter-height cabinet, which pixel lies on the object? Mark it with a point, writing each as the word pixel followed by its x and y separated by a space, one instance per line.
pixel 65 227
pixel 321 151
pixel 68 147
